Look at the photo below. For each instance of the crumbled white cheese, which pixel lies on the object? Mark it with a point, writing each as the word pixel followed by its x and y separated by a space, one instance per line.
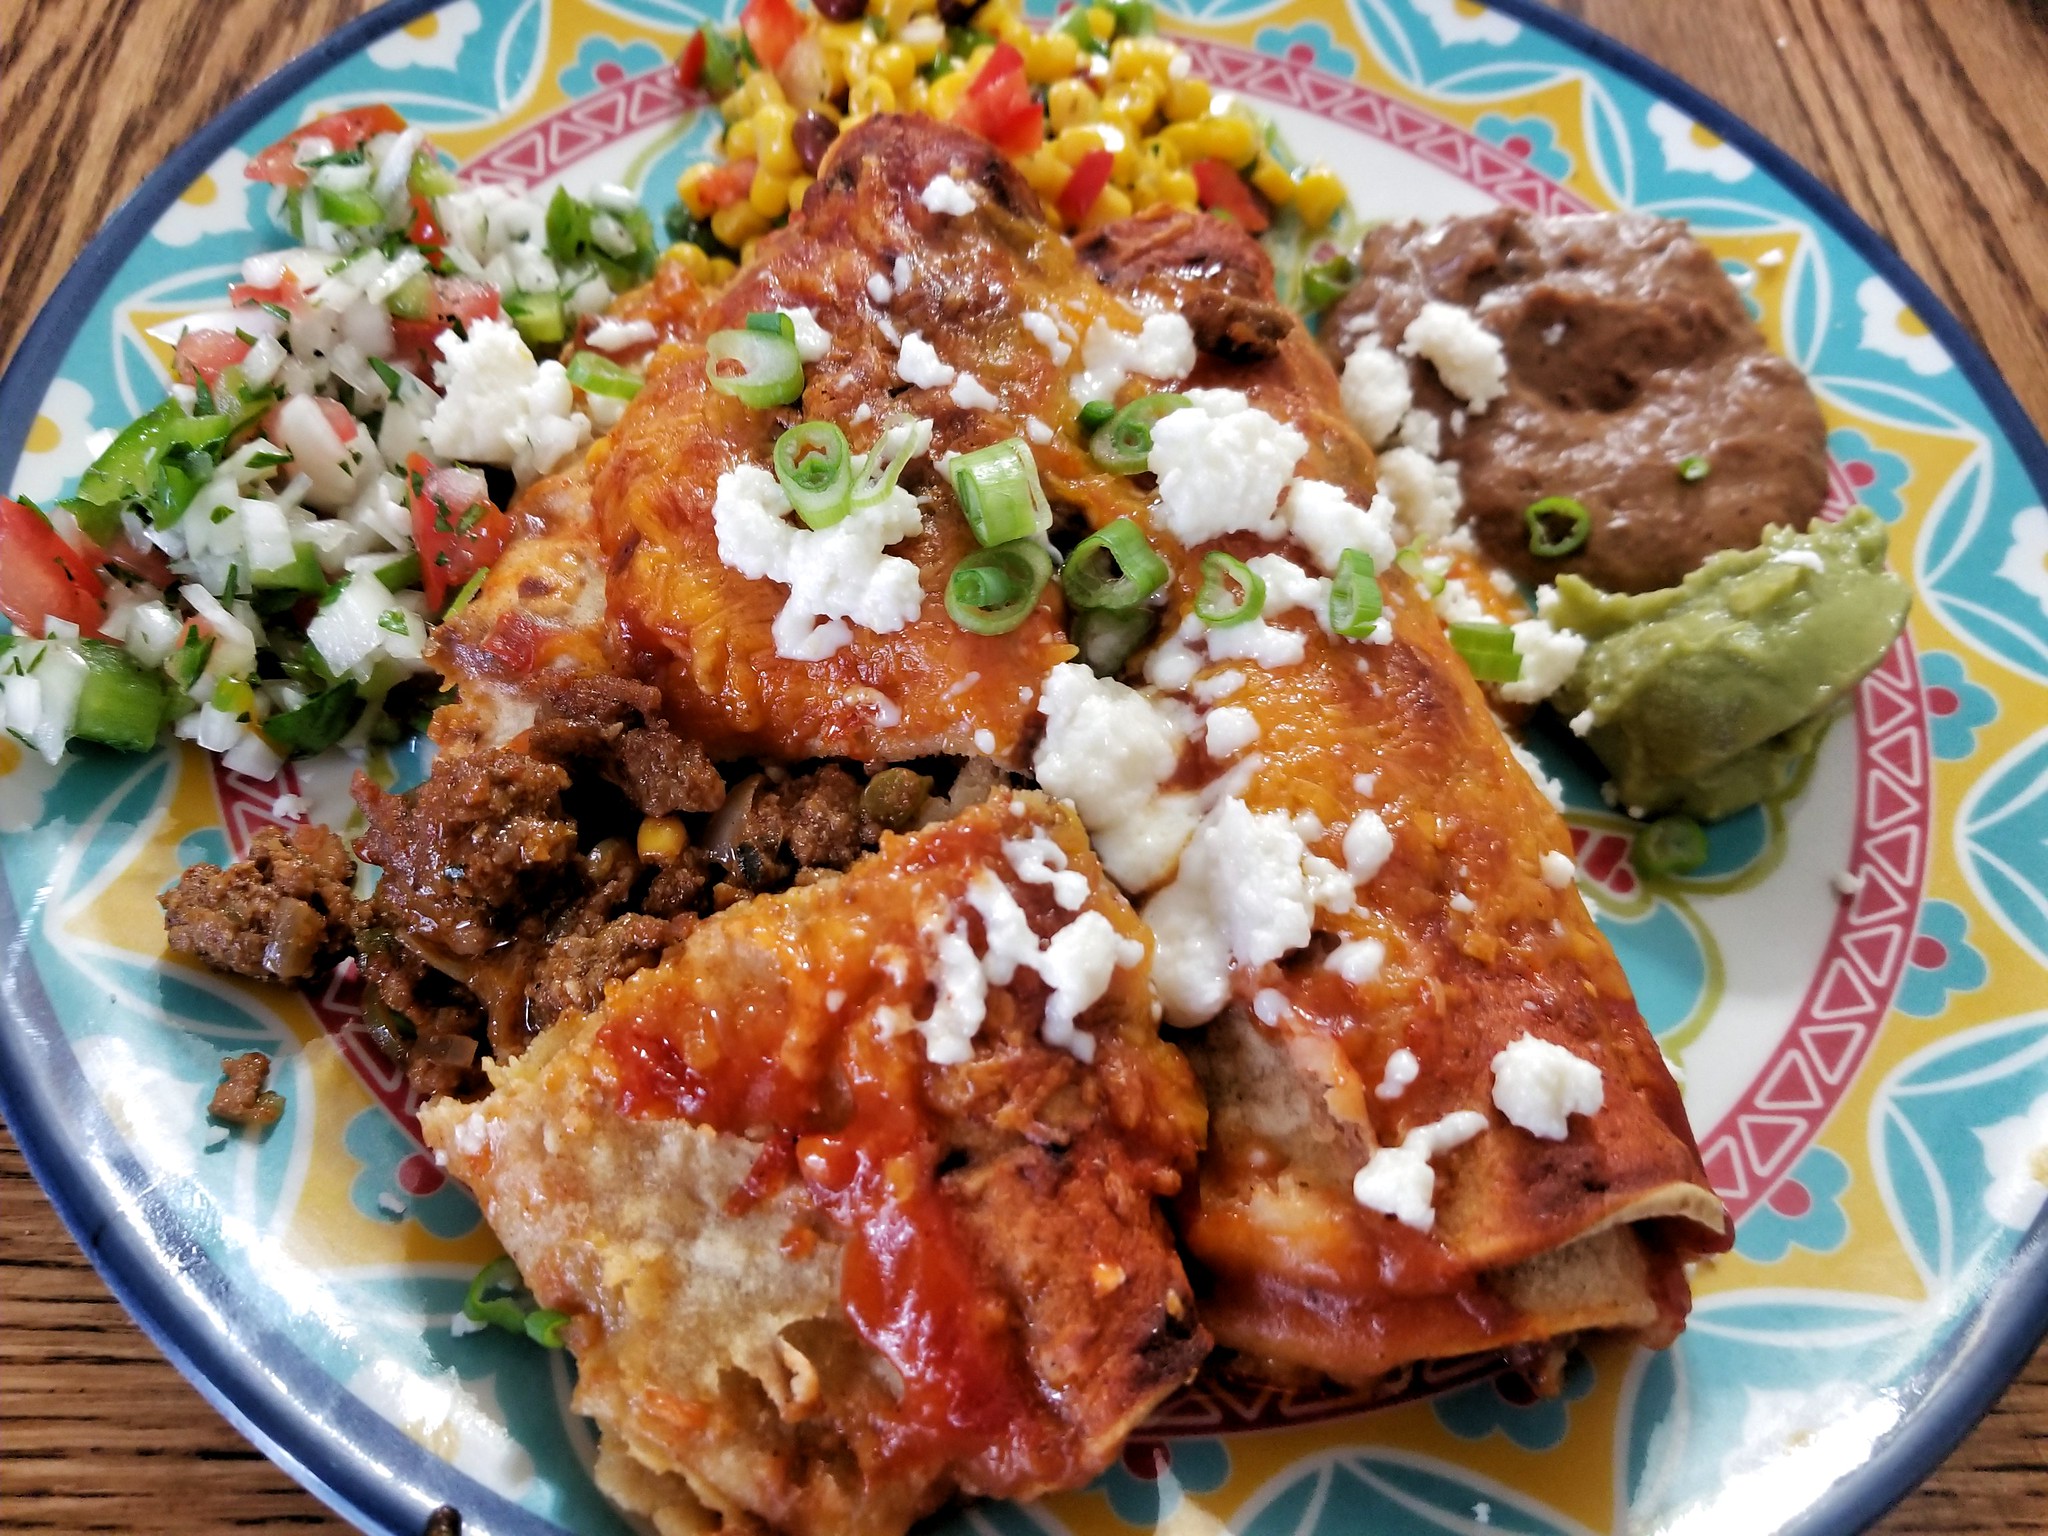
pixel 1270 1006
pixel 1046 332
pixel 985 741
pixel 1552 790
pixel 836 575
pixel 1038 860
pixel 1240 895
pixel 1358 961
pixel 1558 869
pixel 1037 431
pixel 1848 883
pixel 610 335
pixel 1164 348
pixel 289 807
pixel 1367 847
pixel 499 406
pixel 1538 1085
pixel 1549 657
pixel 1228 731
pixel 960 997
pixel 1809 559
pixel 390 1204
pixel 1399 1181
pixel 1466 355
pixel 917 363
pixel 1460 902
pixel 1365 783
pixel 900 268
pixel 1421 431
pixel 970 394
pixel 813 341
pixel 1222 466
pixel 1328 522
pixel 1402 1070
pixel 1213 690
pixel 1329 886
pixel 1108 749
pixel 1076 964
pixel 942 194
pixel 1424 494
pixel 879 288
pixel 1376 392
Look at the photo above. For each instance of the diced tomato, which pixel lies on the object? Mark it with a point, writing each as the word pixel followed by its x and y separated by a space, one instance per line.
pixel 206 354
pixel 285 292
pixel 690 67
pixel 345 426
pixel 424 231
pixel 130 554
pixel 342 131
pixel 1090 176
pixel 42 577
pixel 724 185
pixel 457 301
pixel 1222 190
pixel 772 28
pixel 999 106
pixel 455 525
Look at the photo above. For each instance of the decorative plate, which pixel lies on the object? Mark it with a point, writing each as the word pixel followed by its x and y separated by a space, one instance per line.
pixel 1854 984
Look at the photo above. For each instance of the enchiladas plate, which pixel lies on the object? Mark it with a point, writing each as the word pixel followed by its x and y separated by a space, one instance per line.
pixel 1853 984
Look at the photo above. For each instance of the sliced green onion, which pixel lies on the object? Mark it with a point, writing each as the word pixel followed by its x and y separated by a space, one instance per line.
pixel 544 1326
pixel 899 443
pixel 1489 650
pixel 1355 600
pixel 1411 560
pixel 999 493
pixel 1328 281
pixel 1094 414
pixel 994 590
pixel 429 177
pixel 1671 845
pixel 119 704
pixel 387 375
pixel 508 1311
pixel 1122 444
pixel 772 322
pixel 1121 546
pixel 769 371
pixel 1549 545
pixel 815 468
pixel 1109 637
pixel 1693 468
pixel 356 208
pixel 470 588
pixel 1232 592
pixel 595 374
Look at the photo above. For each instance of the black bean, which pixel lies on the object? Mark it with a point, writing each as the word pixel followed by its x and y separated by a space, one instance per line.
pixel 813 135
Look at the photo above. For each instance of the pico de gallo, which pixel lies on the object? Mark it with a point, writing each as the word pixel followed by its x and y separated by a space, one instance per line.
pixel 253 563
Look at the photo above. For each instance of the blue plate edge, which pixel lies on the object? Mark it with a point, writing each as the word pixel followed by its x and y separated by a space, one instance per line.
pixel 1989 1345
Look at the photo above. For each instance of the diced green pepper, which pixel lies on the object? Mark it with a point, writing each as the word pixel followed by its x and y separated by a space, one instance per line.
pixel 318 723
pixel 303 574
pixel 354 208
pixel 120 705
pixel 538 316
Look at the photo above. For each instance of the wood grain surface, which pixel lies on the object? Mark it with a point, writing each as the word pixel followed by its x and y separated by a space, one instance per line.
pixel 1926 114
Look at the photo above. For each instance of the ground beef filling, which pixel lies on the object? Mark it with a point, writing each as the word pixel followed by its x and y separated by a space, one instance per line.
pixel 515 883
pixel 243 1097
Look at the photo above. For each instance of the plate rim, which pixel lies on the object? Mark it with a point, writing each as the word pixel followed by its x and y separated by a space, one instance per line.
pixel 1987 1345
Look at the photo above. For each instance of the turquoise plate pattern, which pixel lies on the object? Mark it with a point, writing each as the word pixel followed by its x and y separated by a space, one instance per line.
pixel 1853 984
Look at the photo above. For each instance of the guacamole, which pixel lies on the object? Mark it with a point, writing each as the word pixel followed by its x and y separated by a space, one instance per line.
pixel 1708 696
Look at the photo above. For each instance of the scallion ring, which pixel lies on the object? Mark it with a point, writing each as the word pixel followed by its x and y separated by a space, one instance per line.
pixel 994 590
pixel 769 371
pixel 899 443
pixel 1355 600
pixel 1693 468
pixel 772 322
pixel 1232 592
pixel 1544 516
pixel 1411 560
pixel 1489 650
pixel 1671 845
pixel 598 375
pixel 1109 637
pixel 1122 444
pixel 1121 547
pixel 815 468
pixel 1094 414
pixel 999 493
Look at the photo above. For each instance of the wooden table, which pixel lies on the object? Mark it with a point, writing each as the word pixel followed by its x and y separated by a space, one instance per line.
pixel 1926 114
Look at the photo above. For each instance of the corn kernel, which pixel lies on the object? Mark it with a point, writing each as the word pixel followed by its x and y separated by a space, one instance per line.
pixel 895 64
pixel 1179 189
pixel 944 93
pixel 739 140
pixel 1140 58
pixel 769 194
pixel 1069 103
pixel 798 186
pixel 1113 204
pixel 871 94
pixel 774 139
pixel 1231 139
pixel 1317 196
pixel 977 59
pixel 1074 145
pixel 690 189
pixel 723 269
pixel 691 259
pixel 1050 58
pixel 1273 180
pixel 917 99
pixel 1101 22
pixel 661 837
pixel 1159 154
pixel 1134 101
pixel 739 223
pixel 1047 173
pixel 1186 100
pixel 749 251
